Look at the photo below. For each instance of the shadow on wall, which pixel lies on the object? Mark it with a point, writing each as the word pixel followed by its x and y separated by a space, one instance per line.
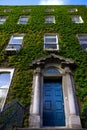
pixel 84 118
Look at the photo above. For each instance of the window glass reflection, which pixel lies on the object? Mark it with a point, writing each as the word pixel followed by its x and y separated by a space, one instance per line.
pixel 52 71
pixel 4 80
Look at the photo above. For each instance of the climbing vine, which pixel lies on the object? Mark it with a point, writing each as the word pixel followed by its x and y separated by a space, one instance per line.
pixel 32 49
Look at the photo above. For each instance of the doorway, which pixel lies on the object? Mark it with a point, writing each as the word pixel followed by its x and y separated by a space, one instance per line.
pixel 53 103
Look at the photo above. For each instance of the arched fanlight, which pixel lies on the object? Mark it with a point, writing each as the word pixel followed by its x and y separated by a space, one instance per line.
pixel 51 71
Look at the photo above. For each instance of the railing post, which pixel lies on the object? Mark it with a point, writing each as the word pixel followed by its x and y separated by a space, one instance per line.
pixel 11 116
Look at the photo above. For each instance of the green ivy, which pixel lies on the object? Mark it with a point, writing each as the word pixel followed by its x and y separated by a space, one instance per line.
pixel 34 30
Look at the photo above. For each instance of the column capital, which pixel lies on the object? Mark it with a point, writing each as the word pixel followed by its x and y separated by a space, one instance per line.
pixel 37 70
pixel 68 70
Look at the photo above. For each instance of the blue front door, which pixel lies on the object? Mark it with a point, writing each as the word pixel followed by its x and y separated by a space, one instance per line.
pixel 53 105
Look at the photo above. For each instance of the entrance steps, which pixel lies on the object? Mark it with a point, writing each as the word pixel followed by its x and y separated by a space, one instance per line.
pixel 48 129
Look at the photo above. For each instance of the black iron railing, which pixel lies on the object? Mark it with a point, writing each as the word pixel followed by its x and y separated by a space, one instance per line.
pixel 12 115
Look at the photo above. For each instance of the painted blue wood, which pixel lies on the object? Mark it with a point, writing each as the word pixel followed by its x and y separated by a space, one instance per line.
pixel 53 104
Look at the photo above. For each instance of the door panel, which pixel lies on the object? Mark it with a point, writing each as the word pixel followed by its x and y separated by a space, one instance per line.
pixel 53 108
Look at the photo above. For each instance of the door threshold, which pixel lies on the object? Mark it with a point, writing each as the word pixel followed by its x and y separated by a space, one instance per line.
pixel 54 127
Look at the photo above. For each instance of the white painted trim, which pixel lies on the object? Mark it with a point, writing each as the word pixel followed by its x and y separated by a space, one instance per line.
pixel 75 19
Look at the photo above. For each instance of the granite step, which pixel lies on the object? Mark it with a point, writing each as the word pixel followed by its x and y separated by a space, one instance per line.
pixel 49 129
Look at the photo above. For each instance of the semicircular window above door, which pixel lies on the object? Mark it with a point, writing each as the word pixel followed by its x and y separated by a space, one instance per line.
pixel 51 71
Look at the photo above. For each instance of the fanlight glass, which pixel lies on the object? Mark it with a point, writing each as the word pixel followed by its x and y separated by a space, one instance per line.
pixel 52 71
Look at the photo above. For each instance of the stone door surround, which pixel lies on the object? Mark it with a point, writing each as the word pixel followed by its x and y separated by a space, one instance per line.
pixel 65 66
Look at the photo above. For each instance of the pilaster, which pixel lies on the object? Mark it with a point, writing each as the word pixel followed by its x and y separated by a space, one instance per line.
pixel 34 120
pixel 74 119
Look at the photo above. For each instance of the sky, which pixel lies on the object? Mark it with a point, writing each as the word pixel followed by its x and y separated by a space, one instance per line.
pixel 43 2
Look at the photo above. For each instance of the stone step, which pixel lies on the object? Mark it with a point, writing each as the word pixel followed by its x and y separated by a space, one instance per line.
pixel 48 129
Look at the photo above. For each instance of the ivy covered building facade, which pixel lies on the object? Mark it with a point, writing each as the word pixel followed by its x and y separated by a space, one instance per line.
pixel 43 64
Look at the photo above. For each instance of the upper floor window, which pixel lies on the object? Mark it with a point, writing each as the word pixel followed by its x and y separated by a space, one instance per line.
pixel 26 10
pixel 50 19
pixel 15 42
pixel 77 19
pixel 2 19
pixel 51 42
pixel 73 10
pixel 7 10
pixel 49 9
pixel 23 20
pixel 83 40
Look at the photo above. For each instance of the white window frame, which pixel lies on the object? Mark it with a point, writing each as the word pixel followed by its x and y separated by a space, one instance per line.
pixel 7 10
pixel 5 70
pixel 77 19
pixel 73 10
pixel 51 43
pixel 50 19
pixel 2 19
pixel 49 10
pixel 82 36
pixel 11 46
pixel 26 10
pixel 21 19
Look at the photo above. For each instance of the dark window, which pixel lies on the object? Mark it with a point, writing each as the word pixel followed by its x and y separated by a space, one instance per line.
pixel 83 40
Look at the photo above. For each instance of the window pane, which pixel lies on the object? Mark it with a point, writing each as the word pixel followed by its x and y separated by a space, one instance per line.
pixel 77 19
pixel 16 40
pixel 15 43
pixel 14 47
pixel 50 36
pixel 7 10
pixel 26 10
pixel 2 20
pixel 3 94
pixel 23 20
pixel 83 39
pixel 84 46
pixel 18 37
pixel 4 80
pixel 49 19
pixel 51 46
pixel 50 39
pixel 50 42
pixel 49 9
pixel 73 10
